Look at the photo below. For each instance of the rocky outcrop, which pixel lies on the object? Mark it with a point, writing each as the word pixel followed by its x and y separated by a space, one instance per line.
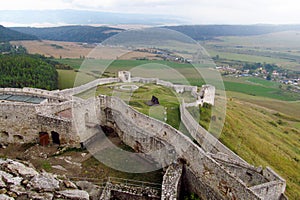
pixel 19 180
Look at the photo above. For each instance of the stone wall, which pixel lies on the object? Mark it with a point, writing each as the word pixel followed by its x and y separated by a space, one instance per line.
pixel 206 140
pixel 85 87
pixel 125 191
pixel 18 123
pixel 52 96
pixel 210 176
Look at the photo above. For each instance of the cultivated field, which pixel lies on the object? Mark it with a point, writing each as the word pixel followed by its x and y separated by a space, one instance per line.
pixel 281 48
pixel 58 49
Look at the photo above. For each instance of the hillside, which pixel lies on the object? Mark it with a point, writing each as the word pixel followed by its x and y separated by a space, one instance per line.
pixel 7 34
pixel 92 34
pixel 266 137
pixel 205 32
pixel 87 34
pixel 19 71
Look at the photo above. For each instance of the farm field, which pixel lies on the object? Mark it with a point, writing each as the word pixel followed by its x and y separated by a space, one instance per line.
pixel 259 87
pixel 56 49
pixel 280 48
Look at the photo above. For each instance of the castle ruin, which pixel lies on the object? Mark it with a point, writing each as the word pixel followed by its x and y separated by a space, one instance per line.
pixel 209 169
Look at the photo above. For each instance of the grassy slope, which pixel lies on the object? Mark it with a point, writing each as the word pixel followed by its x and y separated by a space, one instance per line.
pixel 263 138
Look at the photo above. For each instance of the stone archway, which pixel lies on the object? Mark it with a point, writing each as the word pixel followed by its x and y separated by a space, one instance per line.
pixel 43 138
pixel 55 137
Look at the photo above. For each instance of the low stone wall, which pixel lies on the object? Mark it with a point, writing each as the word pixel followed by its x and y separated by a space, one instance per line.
pixel 250 175
pixel 124 192
pixel 85 87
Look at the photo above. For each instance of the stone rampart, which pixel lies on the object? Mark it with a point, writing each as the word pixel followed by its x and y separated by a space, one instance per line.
pixel 209 174
pixel 85 87
pixel 206 140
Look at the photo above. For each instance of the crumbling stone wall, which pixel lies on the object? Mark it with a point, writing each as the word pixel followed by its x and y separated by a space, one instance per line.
pixel 85 87
pixel 18 123
pixel 210 176
pixel 207 141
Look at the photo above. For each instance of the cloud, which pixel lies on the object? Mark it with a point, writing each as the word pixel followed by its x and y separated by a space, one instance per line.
pixel 196 11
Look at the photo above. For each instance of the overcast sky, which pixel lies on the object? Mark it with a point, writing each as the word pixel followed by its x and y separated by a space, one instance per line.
pixel 194 11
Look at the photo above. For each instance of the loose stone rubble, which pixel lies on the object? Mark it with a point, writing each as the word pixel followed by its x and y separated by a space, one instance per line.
pixel 19 180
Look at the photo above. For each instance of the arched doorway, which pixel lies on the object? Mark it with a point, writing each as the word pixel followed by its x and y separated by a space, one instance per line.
pixel 43 138
pixel 55 137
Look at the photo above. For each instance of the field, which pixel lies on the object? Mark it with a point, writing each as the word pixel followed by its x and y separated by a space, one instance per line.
pixel 56 49
pixel 281 48
pixel 259 87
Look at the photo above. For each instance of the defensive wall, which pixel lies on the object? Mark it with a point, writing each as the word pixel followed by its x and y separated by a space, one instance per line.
pixel 210 170
pixel 204 175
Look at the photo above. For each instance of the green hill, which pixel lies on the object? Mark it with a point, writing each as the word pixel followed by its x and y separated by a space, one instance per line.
pixel 7 34
pixel 87 34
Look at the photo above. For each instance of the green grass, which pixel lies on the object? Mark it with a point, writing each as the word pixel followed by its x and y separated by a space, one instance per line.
pixel 168 99
pixel 262 137
pixel 71 78
pixel 202 114
pixel 259 87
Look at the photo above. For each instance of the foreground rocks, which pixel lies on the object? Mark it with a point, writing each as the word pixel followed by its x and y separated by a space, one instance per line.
pixel 20 180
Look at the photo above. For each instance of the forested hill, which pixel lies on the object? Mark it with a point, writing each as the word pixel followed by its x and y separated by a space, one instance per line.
pixel 7 34
pixel 204 32
pixel 27 71
pixel 87 34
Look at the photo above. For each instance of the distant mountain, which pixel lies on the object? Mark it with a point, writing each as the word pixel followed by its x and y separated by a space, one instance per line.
pixel 87 34
pixel 70 17
pixel 203 32
pixel 7 34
